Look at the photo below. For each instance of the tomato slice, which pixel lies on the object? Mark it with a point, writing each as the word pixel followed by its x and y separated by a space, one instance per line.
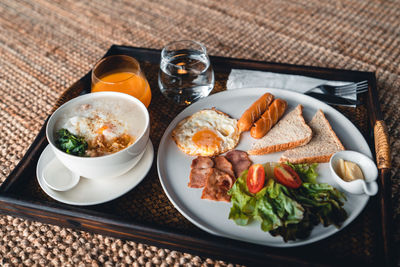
pixel 255 178
pixel 287 176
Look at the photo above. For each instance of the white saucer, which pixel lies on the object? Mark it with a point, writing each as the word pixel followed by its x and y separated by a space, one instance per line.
pixel 91 192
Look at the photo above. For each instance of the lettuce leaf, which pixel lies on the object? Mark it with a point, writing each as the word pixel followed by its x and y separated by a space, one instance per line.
pixel 243 202
pixel 272 205
pixel 307 172
pixel 322 203
pixel 290 213
pixel 299 230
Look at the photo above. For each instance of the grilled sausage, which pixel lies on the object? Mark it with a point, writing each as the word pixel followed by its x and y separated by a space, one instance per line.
pixel 268 119
pixel 254 112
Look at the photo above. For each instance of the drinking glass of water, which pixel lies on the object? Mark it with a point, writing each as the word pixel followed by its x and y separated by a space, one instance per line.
pixel 185 73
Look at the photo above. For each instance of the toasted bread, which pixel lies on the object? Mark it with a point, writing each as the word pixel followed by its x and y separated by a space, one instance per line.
pixel 321 147
pixel 291 131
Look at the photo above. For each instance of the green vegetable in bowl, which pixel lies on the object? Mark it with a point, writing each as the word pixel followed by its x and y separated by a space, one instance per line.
pixel 70 143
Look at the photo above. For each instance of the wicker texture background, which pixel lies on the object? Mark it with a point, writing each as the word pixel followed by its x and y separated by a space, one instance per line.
pixel 47 45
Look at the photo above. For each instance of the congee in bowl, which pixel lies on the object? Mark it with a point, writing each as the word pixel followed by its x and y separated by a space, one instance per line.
pixel 106 125
pixel 105 131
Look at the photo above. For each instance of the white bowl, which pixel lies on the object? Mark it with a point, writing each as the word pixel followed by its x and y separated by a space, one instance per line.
pixel 107 166
pixel 368 167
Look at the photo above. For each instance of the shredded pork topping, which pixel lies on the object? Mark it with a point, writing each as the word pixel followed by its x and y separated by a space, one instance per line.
pixel 99 146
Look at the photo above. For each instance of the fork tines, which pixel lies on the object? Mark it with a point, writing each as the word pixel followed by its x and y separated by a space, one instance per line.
pixel 355 88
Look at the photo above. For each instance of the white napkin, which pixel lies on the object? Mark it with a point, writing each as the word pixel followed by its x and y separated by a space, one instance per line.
pixel 240 78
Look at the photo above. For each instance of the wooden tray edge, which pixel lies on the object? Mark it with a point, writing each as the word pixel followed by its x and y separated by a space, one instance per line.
pixel 373 110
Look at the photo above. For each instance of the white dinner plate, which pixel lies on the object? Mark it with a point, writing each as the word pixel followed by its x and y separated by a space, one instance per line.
pixel 91 192
pixel 212 216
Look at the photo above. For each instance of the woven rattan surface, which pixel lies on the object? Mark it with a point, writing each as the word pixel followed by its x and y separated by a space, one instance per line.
pixel 47 45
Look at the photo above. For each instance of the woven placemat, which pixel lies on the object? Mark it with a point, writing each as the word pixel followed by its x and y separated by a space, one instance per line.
pixel 47 45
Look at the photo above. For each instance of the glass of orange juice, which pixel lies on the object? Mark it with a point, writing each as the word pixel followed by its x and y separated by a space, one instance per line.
pixel 121 73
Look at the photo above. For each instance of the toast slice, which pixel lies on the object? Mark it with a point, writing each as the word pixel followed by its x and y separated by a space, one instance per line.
pixel 321 147
pixel 290 131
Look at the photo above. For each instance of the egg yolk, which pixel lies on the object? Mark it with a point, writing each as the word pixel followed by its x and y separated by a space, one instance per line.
pixel 206 139
pixel 101 130
pixel 108 126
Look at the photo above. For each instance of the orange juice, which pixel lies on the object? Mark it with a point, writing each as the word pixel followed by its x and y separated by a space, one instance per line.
pixel 125 82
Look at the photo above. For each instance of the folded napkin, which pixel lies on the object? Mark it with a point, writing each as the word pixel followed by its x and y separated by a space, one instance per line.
pixel 239 78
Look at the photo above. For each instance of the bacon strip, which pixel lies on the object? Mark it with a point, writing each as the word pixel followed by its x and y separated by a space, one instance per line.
pixel 222 164
pixel 201 168
pixel 240 161
pixel 217 175
pixel 202 162
pixel 217 186
pixel 198 177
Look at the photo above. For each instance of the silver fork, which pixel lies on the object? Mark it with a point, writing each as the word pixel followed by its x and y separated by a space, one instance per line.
pixel 342 90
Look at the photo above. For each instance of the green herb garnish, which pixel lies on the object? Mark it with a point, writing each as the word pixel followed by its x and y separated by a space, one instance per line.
pixel 70 143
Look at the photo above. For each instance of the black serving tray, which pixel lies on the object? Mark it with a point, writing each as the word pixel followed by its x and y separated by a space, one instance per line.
pixel 145 214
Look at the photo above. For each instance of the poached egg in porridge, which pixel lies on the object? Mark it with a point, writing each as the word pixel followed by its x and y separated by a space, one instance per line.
pixel 102 123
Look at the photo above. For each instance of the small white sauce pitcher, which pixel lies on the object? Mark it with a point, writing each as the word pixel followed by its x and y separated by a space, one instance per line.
pixel 368 185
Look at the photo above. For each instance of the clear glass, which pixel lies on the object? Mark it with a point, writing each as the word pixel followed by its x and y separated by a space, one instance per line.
pixel 185 73
pixel 121 73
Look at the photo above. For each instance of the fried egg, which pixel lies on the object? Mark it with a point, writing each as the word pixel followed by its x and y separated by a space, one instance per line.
pixel 207 132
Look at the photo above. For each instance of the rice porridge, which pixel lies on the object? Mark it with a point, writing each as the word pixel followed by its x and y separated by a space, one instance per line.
pixel 107 124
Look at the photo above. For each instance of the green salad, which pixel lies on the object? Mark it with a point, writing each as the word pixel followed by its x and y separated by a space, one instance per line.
pixel 284 210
